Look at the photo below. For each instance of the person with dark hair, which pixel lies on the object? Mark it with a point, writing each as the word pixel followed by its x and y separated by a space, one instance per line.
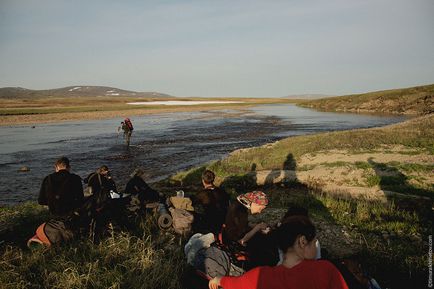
pixel 62 191
pixel 294 210
pixel 100 183
pixel 249 240
pixel 298 271
pixel 236 227
pixel 210 205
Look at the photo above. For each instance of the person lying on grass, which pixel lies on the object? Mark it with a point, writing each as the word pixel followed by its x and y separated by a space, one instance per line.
pixel 299 270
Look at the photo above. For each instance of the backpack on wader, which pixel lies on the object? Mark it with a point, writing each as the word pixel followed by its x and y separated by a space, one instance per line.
pixel 129 124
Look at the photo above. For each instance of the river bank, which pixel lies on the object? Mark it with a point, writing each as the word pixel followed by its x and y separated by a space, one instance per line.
pixel 63 110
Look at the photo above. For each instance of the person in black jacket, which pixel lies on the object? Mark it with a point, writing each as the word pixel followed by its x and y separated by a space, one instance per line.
pixel 211 205
pixel 140 192
pixel 61 191
pixel 101 185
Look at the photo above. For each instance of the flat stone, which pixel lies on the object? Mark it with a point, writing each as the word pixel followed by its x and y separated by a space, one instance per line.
pixel 24 169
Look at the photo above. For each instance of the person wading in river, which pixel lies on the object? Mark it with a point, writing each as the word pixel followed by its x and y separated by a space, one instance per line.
pixel 127 128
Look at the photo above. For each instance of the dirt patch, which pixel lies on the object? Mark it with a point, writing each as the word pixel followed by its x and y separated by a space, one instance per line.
pixel 339 241
pixel 340 172
pixel 385 154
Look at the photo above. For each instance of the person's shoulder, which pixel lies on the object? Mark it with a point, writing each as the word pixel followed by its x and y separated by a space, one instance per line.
pixel 48 177
pixel 75 177
pixel 220 191
pixel 324 265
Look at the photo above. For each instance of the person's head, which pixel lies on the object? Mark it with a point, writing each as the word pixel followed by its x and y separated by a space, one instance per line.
pixel 297 235
pixel 62 164
pixel 294 210
pixel 138 172
pixel 255 201
pixel 104 171
pixel 208 178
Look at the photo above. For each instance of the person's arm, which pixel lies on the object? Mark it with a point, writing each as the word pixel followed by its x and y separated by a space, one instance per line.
pixel 252 232
pixel 43 198
pixel 214 283
pixel 248 280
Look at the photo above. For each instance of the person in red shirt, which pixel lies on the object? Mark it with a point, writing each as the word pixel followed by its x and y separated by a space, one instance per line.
pixel 298 271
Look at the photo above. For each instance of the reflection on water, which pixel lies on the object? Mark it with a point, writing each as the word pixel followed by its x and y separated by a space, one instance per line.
pixel 161 144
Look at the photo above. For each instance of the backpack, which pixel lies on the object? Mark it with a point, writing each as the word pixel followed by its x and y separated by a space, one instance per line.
pixel 181 220
pixel 129 124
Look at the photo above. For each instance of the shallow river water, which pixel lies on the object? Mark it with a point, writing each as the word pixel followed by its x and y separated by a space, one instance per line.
pixel 161 144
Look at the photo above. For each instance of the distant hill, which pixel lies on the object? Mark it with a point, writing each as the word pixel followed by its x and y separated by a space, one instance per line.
pixel 307 96
pixel 74 91
pixel 414 100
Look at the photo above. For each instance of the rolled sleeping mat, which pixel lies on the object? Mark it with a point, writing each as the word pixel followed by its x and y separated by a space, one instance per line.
pixel 164 220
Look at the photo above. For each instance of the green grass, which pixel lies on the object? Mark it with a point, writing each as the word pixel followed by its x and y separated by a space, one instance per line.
pixel 149 258
pixel 372 180
pixel 362 165
pixel 413 167
pixel 145 258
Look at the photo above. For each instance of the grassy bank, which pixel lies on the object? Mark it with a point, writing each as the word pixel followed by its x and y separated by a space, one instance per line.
pixel 414 100
pixel 383 215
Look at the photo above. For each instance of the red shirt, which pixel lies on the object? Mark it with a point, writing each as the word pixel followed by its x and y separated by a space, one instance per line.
pixel 309 274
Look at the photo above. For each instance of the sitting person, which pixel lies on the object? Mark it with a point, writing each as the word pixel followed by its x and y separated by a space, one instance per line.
pixel 297 211
pixel 210 205
pixel 298 271
pixel 106 201
pixel 140 192
pixel 62 191
pixel 254 240
pixel 101 184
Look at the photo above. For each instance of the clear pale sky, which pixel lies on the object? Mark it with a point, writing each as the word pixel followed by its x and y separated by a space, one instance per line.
pixel 218 48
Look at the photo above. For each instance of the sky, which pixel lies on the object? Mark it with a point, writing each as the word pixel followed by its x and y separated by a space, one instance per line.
pixel 208 48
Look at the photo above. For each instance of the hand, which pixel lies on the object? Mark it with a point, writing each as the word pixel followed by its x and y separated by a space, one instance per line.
pixel 214 283
pixel 261 226
pixel 266 230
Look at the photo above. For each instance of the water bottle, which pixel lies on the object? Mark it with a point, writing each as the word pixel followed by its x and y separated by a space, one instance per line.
pixel 180 193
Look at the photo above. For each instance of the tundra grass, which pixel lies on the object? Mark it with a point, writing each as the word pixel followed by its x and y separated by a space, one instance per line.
pixel 149 258
pixel 144 258
pixel 414 100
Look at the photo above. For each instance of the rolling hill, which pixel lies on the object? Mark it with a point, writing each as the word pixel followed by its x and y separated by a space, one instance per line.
pixel 74 91
pixel 414 100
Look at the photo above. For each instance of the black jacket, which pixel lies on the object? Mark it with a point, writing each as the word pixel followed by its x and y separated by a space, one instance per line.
pixel 211 206
pixel 62 192
pixel 146 194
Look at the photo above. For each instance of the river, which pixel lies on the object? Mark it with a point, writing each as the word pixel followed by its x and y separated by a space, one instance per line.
pixel 161 144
